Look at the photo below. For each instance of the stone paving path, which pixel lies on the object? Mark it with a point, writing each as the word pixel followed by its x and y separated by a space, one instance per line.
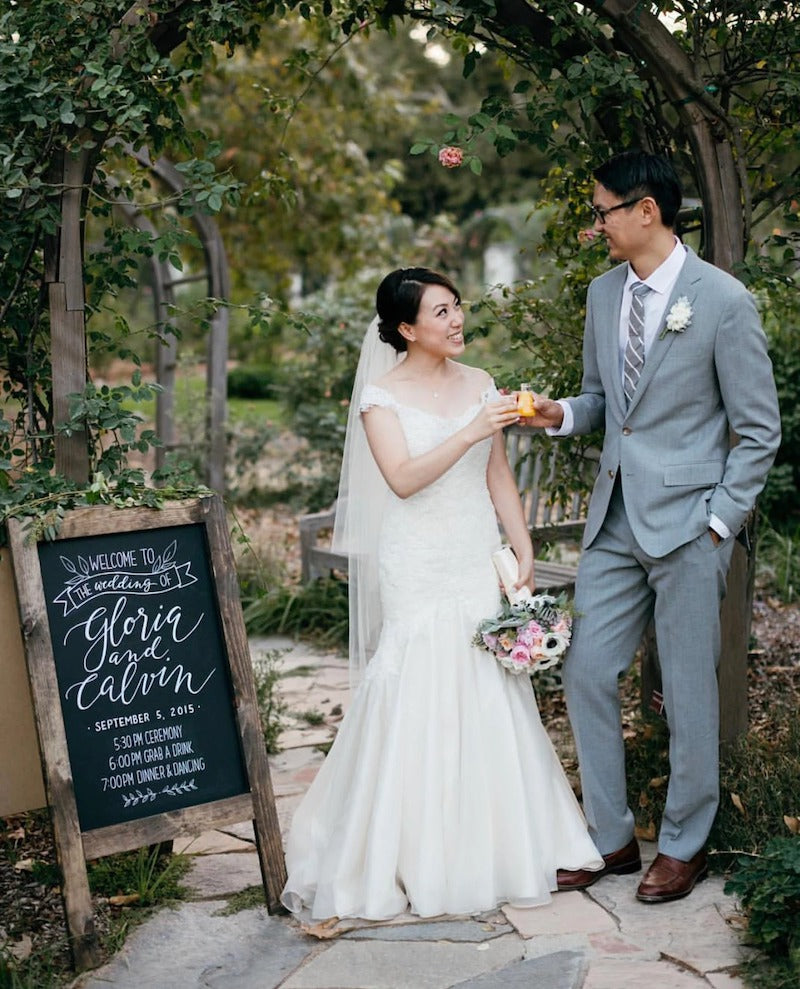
pixel 602 938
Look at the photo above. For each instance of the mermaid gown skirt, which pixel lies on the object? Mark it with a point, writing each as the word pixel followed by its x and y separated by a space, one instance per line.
pixel 442 793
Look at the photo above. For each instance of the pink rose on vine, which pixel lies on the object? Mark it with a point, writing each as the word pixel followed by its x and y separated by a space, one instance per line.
pixel 450 157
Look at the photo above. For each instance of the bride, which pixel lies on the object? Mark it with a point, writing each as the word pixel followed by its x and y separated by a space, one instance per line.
pixel 442 793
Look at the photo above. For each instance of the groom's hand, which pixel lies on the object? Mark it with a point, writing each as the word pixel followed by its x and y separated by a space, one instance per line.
pixel 547 414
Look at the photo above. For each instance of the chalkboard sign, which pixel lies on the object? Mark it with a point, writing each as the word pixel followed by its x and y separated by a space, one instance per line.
pixel 142 673
pixel 142 688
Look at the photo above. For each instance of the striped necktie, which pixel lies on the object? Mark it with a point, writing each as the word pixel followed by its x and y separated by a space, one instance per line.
pixel 634 349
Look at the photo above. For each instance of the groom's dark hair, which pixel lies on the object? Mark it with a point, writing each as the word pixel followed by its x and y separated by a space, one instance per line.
pixel 639 173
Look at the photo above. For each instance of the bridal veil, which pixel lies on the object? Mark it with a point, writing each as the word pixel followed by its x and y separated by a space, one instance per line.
pixel 360 508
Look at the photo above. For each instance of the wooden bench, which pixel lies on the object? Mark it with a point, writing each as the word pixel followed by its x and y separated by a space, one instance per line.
pixel 533 460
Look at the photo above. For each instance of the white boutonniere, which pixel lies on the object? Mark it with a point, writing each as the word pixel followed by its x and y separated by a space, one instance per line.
pixel 678 318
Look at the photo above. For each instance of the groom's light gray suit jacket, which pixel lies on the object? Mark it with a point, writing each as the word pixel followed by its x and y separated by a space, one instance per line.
pixel 672 445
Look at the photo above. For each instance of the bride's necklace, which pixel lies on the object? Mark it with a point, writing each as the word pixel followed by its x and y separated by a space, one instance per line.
pixel 436 388
pixel 439 389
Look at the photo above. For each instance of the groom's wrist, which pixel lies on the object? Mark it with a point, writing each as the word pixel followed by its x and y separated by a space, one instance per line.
pixel 564 428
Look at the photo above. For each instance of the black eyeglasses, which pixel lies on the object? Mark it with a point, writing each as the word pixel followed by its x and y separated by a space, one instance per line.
pixel 600 214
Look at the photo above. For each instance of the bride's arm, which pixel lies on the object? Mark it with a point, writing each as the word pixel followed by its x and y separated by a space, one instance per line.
pixel 405 474
pixel 507 504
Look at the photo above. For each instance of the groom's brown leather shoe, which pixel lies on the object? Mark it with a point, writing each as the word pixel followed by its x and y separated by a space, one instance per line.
pixel 670 879
pixel 618 863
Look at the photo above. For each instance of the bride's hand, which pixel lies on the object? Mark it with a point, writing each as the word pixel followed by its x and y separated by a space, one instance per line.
pixel 493 417
pixel 525 574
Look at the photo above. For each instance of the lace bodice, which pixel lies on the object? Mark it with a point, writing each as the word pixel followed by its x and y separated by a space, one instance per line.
pixel 438 542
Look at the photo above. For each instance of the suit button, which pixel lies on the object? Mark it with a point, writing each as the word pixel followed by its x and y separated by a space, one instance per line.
pixel 611 473
pixel 627 431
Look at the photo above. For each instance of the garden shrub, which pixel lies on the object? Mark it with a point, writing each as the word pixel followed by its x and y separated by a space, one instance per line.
pixel 768 887
pixel 252 382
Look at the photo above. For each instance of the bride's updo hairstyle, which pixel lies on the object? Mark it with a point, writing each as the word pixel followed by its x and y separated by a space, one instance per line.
pixel 398 299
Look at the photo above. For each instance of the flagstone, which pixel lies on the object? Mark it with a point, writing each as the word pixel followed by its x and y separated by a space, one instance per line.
pixel 243 830
pixel 562 970
pixel 691 929
pixel 566 911
pixel 251 950
pixel 303 738
pixel 616 945
pixel 616 974
pixel 221 875
pixel 396 965
pixel 210 843
pixel 444 930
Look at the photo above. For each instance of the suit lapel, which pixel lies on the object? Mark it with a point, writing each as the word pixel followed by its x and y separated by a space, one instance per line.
pixel 687 284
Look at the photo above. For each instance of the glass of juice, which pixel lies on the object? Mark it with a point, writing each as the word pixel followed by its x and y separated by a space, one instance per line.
pixel 525 406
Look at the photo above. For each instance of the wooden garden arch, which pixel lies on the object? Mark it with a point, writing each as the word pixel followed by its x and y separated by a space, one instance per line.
pixel 217 278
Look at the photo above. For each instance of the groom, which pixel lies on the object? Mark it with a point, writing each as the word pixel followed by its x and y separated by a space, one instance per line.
pixel 674 358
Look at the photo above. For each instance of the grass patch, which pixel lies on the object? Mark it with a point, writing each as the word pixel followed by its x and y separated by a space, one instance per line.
pixel 317 611
pixel 312 718
pixel 759 787
pixel 271 707
pixel 759 792
pixel 190 394
pixel 245 899
pixel 45 969
pixel 300 671
pixel 770 973
pixel 778 562
pixel 150 875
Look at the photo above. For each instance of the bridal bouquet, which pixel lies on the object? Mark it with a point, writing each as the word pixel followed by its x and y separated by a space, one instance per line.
pixel 531 633
pixel 528 636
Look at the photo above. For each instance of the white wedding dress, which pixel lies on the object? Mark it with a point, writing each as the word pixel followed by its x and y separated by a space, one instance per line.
pixel 442 793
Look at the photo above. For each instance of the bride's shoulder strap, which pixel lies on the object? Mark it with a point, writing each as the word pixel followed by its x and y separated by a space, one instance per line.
pixel 373 395
pixel 490 391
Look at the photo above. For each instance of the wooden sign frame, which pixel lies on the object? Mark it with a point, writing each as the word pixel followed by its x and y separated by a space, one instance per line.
pixel 75 846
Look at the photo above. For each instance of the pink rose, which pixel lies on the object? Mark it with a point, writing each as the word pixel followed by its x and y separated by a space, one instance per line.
pixel 520 655
pixel 586 236
pixel 451 157
pixel 526 637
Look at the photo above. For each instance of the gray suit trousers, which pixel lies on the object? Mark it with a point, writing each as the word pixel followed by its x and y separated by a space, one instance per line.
pixel 619 589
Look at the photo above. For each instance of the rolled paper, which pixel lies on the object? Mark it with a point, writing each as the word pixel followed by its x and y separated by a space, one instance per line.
pixel 505 563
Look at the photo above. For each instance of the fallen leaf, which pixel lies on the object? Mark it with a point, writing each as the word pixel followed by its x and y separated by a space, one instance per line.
pixel 328 929
pixel 22 949
pixel 792 823
pixel 24 865
pixel 736 800
pixel 123 900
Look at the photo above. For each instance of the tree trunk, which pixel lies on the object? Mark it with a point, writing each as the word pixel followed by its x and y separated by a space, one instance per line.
pixel 63 263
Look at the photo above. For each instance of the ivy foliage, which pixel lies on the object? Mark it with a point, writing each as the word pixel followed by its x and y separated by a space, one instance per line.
pixel 90 81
